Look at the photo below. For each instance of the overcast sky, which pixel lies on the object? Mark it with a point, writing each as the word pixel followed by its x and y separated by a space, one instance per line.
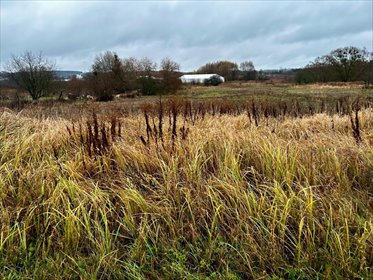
pixel 272 34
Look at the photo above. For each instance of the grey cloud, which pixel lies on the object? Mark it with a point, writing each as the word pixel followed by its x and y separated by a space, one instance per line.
pixel 272 34
pixel 337 20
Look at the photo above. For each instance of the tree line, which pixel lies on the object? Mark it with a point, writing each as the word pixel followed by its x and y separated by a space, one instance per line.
pixel 346 64
pixel 231 71
pixel 111 75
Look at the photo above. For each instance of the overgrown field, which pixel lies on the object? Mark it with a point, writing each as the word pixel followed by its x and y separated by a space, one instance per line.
pixel 309 98
pixel 188 190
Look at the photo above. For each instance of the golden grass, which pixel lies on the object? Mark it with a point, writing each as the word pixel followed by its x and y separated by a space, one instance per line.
pixel 289 199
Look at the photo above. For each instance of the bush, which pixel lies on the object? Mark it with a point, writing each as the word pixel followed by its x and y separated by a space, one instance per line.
pixel 148 85
pixel 32 73
pixel 214 80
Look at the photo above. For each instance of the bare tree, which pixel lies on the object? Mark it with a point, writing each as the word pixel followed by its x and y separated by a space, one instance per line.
pixel 107 76
pixel 147 67
pixel 33 73
pixel 247 66
pixel 248 70
pixel 105 62
pixel 349 62
pixel 147 83
pixel 131 68
pixel 321 70
pixel 169 72
pixel 227 69
pixel 368 74
pixel 342 64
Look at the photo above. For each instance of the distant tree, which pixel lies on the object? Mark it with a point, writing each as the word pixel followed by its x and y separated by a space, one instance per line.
pixel 303 76
pixel 131 68
pixel 247 70
pixel 105 62
pixel 349 62
pixel 227 69
pixel 247 66
pixel 208 68
pixel 147 67
pixel 169 74
pixel 146 82
pixel 262 76
pixel 33 73
pixel 368 73
pixel 107 76
pixel 343 64
pixel 321 70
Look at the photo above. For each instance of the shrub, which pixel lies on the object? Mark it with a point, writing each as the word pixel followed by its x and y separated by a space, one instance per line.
pixel 214 80
pixel 148 85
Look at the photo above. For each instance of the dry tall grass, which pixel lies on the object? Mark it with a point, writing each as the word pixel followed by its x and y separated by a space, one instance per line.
pixel 290 198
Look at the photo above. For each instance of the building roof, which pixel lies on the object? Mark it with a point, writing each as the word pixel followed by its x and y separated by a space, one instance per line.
pixel 198 76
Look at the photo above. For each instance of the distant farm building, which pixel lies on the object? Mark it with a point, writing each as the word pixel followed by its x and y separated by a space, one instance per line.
pixel 198 78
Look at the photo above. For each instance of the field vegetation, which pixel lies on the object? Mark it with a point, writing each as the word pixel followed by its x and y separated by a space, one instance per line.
pixel 274 182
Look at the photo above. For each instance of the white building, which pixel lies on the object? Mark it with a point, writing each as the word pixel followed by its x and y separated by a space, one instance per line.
pixel 197 78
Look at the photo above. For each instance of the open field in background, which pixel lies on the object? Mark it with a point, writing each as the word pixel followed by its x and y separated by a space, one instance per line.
pixel 243 89
pixel 321 97
pixel 260 186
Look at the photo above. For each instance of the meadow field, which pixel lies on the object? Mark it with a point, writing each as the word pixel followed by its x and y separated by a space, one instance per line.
pixel 239 181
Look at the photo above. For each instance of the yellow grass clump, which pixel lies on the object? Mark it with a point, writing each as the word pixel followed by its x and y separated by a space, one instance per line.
pixel 291 198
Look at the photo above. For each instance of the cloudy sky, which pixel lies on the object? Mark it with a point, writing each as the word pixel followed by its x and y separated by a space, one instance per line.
pixel 272 34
